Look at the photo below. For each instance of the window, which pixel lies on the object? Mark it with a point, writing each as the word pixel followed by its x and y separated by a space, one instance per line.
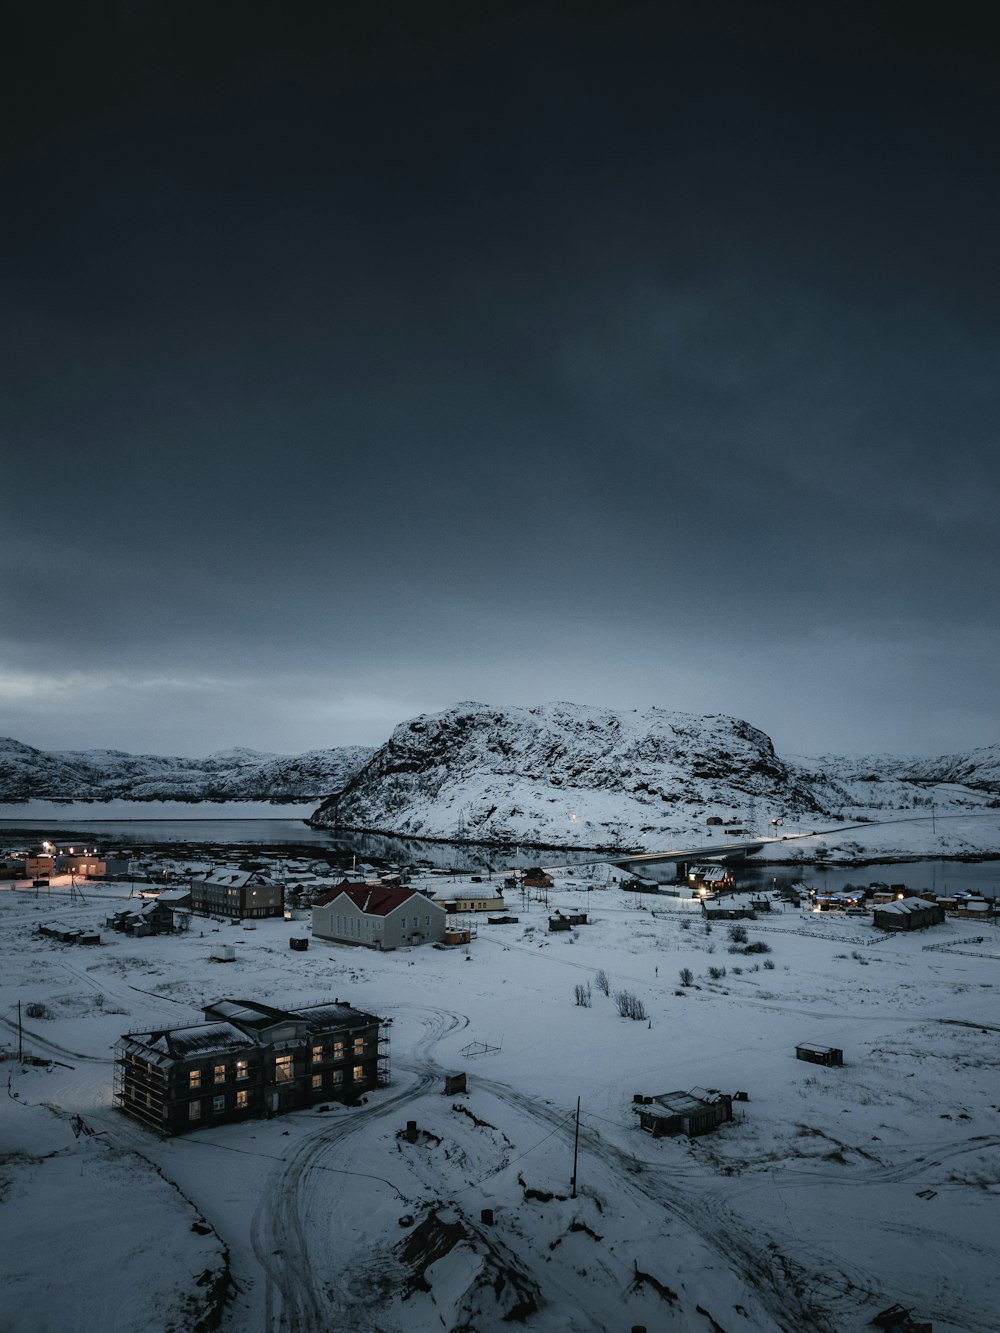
pixel 218 1105
pixel 220 1073
pixel 282 1069
pixel 358 1073
pixel 338 1050
pixel 337 1077
pixel 194 1079
pixel 359 1045
pixel 317 1080
pixel 427 921
pixel 317 1054
pixel 402 923
pixel 242 1099
pixel 194 1111
pixel 242 1071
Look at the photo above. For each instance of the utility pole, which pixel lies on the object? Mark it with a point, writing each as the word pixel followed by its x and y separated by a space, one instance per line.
pixel 576 1145
pixel 20 1037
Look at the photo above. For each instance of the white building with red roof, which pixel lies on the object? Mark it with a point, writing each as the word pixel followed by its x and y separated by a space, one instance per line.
pixel 379 916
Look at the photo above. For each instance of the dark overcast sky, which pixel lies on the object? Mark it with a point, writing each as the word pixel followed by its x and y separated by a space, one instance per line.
pixel 360 360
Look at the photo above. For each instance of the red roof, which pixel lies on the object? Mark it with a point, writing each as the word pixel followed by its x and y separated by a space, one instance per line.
pixel 372 899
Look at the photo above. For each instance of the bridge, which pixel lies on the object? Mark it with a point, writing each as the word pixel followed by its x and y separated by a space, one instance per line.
pixel 720 851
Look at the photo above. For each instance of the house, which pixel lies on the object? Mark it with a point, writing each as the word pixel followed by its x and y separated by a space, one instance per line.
pixel 38 866
pixel 230 892
pixel 160 916
pixel 536 879
pixel 248 1060
pixel 978 909
pixel 712 877
pixel 907 914
pixel 88 865
pixel 493 903
pixel 692 1113
pixel 734 907
pixel 639 885
pixel 568 920
pixel 378 916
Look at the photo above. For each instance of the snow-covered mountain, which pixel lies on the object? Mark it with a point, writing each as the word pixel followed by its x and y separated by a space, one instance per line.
pixel 558 775
pixel 566 775
pixel 232 775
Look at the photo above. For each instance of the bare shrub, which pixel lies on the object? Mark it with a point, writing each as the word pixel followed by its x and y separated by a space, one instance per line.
pixel 629 1004
pixel 716 973
pixel 768 964
pixel 582 993
pixel 738 934
pixel 687 976
pixel 602 982
pixel 37 1010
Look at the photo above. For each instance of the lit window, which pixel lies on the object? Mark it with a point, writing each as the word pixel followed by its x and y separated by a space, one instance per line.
pixel 358 1073
pixel 194 1078
pixel 317 1054
pixel 218 1105
pixel 220 1073
pixel 317 1080
pixel 241 1069
pixel 283 1069
pixel 338 1050
pixel 359 1045
pixel 194 1111
pixel 242 1099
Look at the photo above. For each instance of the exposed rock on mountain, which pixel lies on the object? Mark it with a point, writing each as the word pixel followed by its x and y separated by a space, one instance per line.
pixel 235 775
pixel 563 775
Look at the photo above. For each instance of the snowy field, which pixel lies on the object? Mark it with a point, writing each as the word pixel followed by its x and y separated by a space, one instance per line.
pixel 833 1194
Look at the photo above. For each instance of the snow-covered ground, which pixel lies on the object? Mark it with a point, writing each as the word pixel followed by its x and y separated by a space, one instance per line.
pixel 833 1194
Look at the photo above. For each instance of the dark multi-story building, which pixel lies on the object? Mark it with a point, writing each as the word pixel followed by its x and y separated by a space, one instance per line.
pixel 232 892
pixel 249 1059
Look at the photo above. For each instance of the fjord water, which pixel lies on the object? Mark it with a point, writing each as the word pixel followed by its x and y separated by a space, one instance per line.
pixel 942 876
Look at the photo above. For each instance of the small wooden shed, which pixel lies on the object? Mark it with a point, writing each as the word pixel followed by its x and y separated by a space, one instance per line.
pixel 692 1113
pixel 819 1055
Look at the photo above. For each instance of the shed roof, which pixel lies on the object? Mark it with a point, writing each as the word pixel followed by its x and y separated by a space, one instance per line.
pixel 683 1103
pixel 907 906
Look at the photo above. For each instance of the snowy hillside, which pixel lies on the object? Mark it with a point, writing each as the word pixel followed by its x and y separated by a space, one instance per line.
pixel 977 769
pixel 234 775
pixel 563 775
pixel 557 775
pixel 566 775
